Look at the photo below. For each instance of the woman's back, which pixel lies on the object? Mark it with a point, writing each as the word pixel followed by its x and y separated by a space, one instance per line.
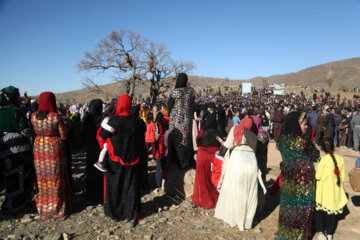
pixel 48 126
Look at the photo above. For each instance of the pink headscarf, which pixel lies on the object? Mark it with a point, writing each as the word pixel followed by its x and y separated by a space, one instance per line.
pixel 239 129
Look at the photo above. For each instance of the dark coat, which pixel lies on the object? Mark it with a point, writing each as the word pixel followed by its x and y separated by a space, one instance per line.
pixel 125 167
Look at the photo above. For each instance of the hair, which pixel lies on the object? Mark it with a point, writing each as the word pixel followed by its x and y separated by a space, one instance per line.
pixel 110 110
pixel 222 151
pixel 41 115
pixel 149 117
pixel 164 105
pixel 327 145
pixel 161 121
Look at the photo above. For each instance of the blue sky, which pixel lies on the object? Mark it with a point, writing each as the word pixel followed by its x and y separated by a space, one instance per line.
pixel 42 41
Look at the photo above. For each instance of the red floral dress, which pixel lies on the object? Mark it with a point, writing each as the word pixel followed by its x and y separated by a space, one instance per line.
pixel 54 193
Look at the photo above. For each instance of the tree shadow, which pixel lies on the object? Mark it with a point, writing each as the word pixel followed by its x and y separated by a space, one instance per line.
pixel 271 202
pixel 79 199
pixel 160 202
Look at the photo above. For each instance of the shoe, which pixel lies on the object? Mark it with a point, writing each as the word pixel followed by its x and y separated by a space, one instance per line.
pixel 321 236
pixel 329 237
pixel 131 224
pixel 100 166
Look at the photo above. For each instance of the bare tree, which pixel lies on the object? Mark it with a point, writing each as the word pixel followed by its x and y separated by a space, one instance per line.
pixel 119 52
pixel 92 86
pixel 161 69
pixel 134 60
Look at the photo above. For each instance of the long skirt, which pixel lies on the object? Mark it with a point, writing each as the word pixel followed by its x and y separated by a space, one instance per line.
pixel 238 197
pixel 161 148
pixel 205 194
pixel 54 191
pixel 296 202
pixel 94 178
pixel 121 191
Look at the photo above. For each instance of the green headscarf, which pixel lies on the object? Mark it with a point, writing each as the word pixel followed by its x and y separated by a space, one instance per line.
pixel 9 96
pixel 11 117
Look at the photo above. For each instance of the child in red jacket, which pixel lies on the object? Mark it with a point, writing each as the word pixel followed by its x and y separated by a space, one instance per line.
pixel 150 134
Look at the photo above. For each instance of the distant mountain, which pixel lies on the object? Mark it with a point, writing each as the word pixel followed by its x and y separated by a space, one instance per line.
pixel 345 74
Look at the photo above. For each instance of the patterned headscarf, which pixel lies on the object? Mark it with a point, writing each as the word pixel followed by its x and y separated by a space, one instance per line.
pixel 75 109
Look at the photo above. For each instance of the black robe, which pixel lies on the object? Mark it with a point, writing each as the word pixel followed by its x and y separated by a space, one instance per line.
pixel 94 178
pixel 330 125
pixel 125 167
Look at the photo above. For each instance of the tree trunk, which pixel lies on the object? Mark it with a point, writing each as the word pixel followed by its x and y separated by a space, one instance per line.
pixel 127 86
pixel 132 81
pixel 154 91
pixel 131 88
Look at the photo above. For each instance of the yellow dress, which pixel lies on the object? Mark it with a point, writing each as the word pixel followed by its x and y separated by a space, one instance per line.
pixel 329 197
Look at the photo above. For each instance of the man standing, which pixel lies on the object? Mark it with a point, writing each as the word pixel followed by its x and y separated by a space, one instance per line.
pixel 350 139
pixel 278 123
pixel 330 124
pixel 313 119
pixel 355 125
pixel 337 118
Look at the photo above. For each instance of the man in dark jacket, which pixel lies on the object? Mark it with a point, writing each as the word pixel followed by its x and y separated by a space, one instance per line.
pixel 330 124
pixel 355 124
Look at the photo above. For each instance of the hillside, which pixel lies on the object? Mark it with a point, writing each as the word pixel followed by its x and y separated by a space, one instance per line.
pixel 345 74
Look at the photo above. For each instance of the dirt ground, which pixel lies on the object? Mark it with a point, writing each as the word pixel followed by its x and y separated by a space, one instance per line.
pixel 166 217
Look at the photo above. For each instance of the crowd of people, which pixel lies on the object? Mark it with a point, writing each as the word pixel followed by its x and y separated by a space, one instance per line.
pixel 229 131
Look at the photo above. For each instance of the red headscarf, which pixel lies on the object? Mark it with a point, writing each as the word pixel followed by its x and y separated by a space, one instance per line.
pixel 239 129
pixel 123 106
pixel 47 102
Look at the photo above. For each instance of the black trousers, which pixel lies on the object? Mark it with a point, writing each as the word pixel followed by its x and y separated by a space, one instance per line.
pixel 325 222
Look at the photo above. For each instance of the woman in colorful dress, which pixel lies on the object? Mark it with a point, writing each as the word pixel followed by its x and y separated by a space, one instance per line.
pixel 297 192
pixel 16 159
pixel 54 193
pixel 205 193
pixel 181 108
